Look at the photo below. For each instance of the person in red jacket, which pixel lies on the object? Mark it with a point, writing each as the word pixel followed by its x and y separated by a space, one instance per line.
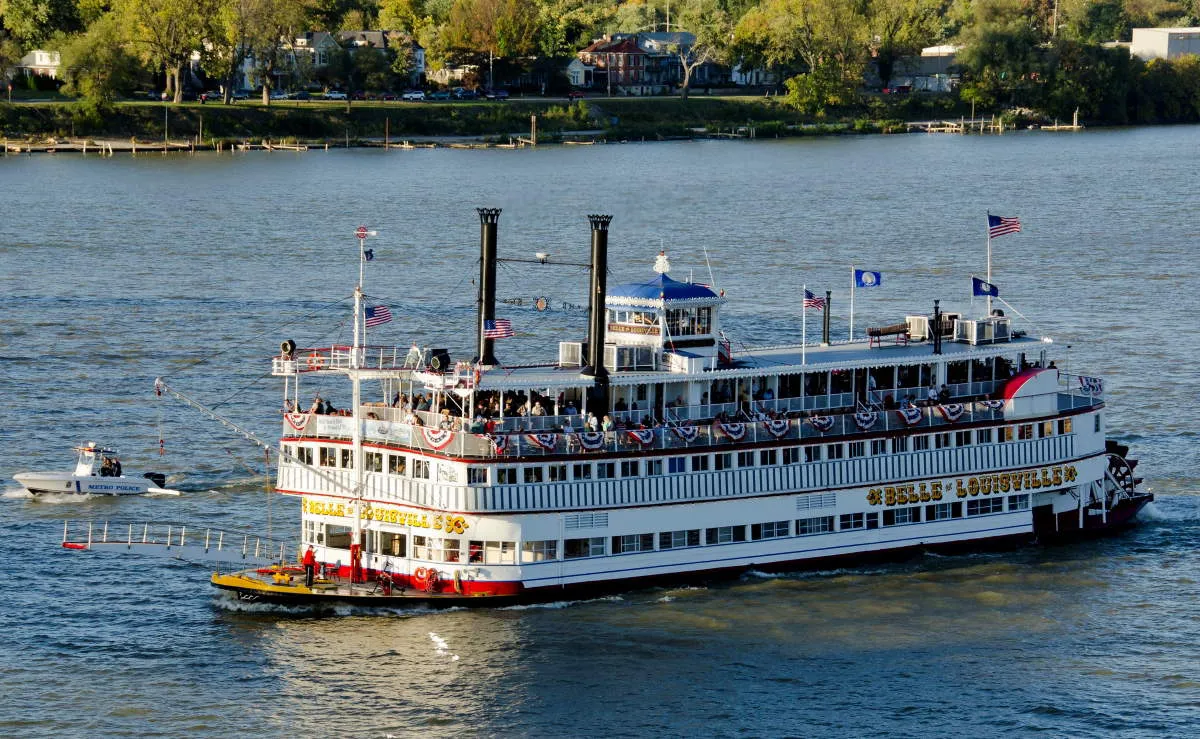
pixel 310 566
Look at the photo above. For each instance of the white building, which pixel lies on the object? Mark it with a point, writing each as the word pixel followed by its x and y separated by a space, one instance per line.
pixel 41 63
pixel 1164 43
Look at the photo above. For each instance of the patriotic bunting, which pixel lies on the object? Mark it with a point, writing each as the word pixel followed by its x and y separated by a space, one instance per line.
pixel 686 433
pixel 910 416
pixel 438 439
pixel 821 423
pixel 645 437
pixel 297 420
pixel 951 411
pixel 777 427
pixel 731 431
pixel 591 440
pixel 545 442
pixel 499 442
pixel 865 419
pixel 993 405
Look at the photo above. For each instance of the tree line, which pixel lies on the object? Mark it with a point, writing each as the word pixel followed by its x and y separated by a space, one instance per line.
pixel 1048 56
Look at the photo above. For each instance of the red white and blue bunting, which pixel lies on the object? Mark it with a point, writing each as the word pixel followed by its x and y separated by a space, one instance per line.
pixel 645 437
pixel 687 433
pixel 591 440
pixel 951 411
pixel 437 439
pixel 777 427
pixel 731 431
pixel 821 423
pixel 499 442
pixel 910 416
pixel 1091 385
pixel 545 442
pixel 865 419
pixel 993 405
pixel 297 420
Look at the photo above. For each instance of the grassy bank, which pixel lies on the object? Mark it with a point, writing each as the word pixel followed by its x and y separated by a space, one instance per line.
pixel 328 121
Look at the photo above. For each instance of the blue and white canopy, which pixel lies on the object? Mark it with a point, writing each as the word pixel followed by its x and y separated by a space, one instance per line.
pixel 662 292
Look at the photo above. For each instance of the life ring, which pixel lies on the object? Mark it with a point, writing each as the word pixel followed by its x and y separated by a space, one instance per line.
pixel 420 577
pixel 315 361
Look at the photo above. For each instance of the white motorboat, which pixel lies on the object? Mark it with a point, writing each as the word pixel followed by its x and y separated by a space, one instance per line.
pixel 97 472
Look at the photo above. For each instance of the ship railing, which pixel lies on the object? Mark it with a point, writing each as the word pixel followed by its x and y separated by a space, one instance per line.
pixel 178 541
pixel 339 357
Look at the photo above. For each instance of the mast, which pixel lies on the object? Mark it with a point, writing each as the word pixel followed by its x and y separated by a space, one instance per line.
pixel 356 403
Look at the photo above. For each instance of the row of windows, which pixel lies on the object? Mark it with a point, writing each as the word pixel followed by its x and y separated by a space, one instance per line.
pixel 450 550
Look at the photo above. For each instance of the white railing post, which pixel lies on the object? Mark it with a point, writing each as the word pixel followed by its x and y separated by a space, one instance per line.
pixel 65 524
pixel 207 533
pixel 145 533
pixel 105 534
pixel 89 534
pixel 169 537
pixel 182 531
pixel 129 542
pixel 220 541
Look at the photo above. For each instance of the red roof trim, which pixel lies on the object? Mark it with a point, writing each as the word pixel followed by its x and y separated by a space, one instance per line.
pixel 1014 384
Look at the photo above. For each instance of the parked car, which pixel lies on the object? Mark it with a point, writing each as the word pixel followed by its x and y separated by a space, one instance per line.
pixel 440 95
pixel 413 96
pixel 358 95
pixel 210 96
pixel 387 96
pixel 301 95
pixel 240 95
pixel 335 95
pixel 462 93
pixel 497 94
pixel 575 95
pixel 278 95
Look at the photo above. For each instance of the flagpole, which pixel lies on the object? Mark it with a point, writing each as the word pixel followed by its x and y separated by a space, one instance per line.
pixel 852 302
pixel 989 261
pixel 804 324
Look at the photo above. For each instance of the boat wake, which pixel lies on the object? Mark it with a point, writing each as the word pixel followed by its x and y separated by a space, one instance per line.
pixel 16 493
pixel 1158 511
pixel 560 604
pixel 229 602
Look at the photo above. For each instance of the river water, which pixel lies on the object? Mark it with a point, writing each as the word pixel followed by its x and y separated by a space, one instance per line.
pixel 115 271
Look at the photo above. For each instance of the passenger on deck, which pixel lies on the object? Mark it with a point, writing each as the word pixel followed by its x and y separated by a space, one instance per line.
pixel 933 395
pixel 105 467
pixel 537 409
pixel 620 406
pixel 889 402
pixel 592 424
pixel 606 424
pixel 316 406
pixel 570 411
pixel 944 393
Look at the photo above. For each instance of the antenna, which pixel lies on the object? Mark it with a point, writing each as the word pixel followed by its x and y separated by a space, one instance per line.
pixel 712 280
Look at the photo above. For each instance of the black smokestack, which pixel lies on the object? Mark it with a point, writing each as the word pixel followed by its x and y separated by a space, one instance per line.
pixel 596 307
pixel 937 327
pixel 488 218
pixel 825 318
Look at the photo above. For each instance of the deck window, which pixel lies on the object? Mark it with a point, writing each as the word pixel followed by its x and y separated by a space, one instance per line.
pixel 1046 428
pixel 700 463
pixel 328 456
pixel 539 551
pixel 630 468
pixel 857 449
pixel 348 459
pixel 435 549
pixel 557 472
pixel 1025 431
pixel 679 539
pixel 506 476
pixel 962 438
pixel 984 436
pixel 849 521
pixel 577 548
pixel 834 451
pixel 397 464
pixel 1064 426
pixel 941 440
pixel 420 468
pixel 878 447
pixel 1018 502
pixel 337 537
pixel 897 516
pixel 491 552
pixel 812 454
pixel 534 474
pixel 985 506
pixel 654 467
pixel 723 461
pixel 900 444
pixel 606 470
pixel 304 455
pixel 810 526
pixel 791 455
pixel 725 535
pixel 582 471
pixel 393 544
pixel 373 461
pixel 768 530
pixel 920 443
pixel 633 543
pixel 938 512
pixel 675 465
pixel 768 457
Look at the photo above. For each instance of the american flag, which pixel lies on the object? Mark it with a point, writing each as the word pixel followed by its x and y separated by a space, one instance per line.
pixel 501 328
pixel 999 225
pixel 812 301
pixel 378 315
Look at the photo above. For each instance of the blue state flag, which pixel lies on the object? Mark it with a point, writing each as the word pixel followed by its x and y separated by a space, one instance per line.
pixel 983 287
pixel 866 278
pixel 368 255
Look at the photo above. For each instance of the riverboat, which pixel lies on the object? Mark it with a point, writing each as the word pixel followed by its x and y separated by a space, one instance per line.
pixel 483 483
pixel 97 472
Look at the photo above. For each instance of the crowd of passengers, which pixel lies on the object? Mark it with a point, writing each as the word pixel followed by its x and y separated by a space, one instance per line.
pixel 492 408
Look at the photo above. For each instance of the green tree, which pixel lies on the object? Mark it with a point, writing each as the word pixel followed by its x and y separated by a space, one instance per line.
pixel 96 65
pixel 166 32
pixel 274 26
pixel 711 25
pixel 1000 57
pixel 901 28
pixel 33 22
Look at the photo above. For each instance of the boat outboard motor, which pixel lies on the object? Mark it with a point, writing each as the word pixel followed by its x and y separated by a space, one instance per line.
pixel 158 478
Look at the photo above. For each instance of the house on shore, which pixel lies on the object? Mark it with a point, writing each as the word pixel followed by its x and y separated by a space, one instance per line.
pixel 1164 43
